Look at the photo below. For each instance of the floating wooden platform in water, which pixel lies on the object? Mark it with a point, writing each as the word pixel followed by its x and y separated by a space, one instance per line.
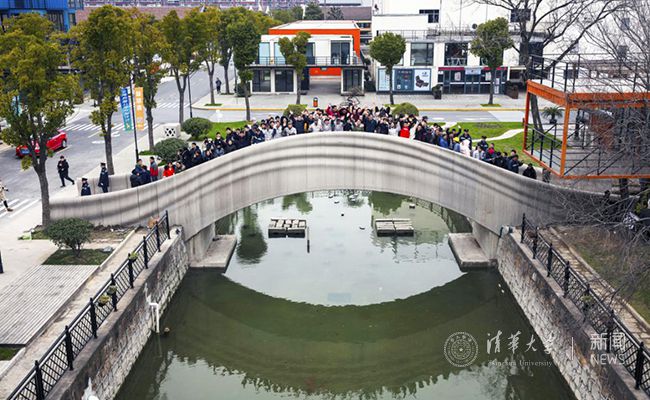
pixel 394 227
pixel 283 227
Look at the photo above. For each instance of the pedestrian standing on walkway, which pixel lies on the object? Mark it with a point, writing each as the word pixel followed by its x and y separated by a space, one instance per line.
pixel 85 187
pixel 104 180
pixel 218 83
pixel 530 172
pixel 3 197
pixel 153 169
pixel 63 167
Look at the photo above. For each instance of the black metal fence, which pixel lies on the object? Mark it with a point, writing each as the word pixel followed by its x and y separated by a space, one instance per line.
pixel 629 350
pixel 61 355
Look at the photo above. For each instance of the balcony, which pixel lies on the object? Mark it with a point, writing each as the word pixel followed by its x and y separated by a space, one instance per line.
pixel 439 33
pixel 312 62
pixel 455 61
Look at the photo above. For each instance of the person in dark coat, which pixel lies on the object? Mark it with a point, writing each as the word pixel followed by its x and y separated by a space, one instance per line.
pixel 85 187
pixel 104 180
pixel 63 168
pixel 514 164
pixel 530 172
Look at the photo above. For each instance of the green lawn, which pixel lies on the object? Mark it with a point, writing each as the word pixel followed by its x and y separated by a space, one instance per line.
pixel 221 127
pixel 489 129
pixel 490 105
pixel 7 353
pixel 213 104
pixel 87 257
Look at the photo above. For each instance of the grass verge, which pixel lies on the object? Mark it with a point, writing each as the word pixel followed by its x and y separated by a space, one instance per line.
pixel 490 105
pixel 213 104
pixel 7 353
pixel 220 127
pixel 87 257
pixel 489 129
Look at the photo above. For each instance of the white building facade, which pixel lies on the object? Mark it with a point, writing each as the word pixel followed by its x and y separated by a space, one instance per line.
pixel 438 35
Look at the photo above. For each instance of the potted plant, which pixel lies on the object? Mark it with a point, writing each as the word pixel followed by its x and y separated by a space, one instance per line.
pixel 133 256
pixel 112 289
pixel 552 113
pixel 103 300
pixel 437 92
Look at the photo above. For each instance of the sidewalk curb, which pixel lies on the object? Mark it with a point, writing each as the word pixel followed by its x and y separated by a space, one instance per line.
pixel 311 108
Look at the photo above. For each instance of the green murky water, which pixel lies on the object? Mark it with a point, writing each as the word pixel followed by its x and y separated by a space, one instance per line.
pixel 353 316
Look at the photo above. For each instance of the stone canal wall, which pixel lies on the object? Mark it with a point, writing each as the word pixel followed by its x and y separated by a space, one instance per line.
pixel 107 360
pixel 560 324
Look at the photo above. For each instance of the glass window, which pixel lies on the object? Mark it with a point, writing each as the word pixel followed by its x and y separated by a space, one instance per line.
pixel 351 79
pixel 456 53
pixel 261 81
pixel 520 15
pixel 434 15
pixel 421 54
pixel 284 80
pixel 340 52
pixel 310 53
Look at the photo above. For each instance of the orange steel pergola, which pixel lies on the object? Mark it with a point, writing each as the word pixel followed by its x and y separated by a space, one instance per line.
pixel 579 101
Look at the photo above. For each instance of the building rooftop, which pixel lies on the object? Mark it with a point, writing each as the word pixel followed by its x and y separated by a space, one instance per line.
pixel 352 13
pixel 317 24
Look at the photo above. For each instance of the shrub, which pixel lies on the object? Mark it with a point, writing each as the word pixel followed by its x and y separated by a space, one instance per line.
pixel 197 128
pixel 167 149
pixel 70 232
pixel 405 109
pixel 295 108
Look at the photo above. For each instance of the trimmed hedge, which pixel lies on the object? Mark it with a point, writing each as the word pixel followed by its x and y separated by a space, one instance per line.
pixel 295 108
pixel 405 109
pixel 197 128
pixel 167 149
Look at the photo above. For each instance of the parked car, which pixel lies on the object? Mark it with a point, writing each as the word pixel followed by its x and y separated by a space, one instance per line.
pixel 58 141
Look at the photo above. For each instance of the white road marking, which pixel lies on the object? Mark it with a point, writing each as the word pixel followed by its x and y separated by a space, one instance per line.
pixel 14 204
pixel 25 207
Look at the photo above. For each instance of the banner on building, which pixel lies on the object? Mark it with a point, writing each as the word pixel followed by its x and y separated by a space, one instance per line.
pixel 138 99
pixel 125 104
pixel 422 80
pixel 382 80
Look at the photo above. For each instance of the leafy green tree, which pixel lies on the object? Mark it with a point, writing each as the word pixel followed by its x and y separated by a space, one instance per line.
pixel 207 26
pixel 245 52
pixel 492 39
pixel 298 12
pixel 70 232
pixel 294 51
pixel 335 13
pixel 388 49
pixel 147 43
pixel 181 39
pixel 284 16
pixel 104 56
pixel 313 11
pixel 35 98
pixel 167 149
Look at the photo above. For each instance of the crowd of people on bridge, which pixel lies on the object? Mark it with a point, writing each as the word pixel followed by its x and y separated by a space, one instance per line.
pixel 377 120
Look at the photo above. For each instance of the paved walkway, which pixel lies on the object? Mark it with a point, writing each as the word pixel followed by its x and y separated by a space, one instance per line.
pixel 424 102
pixel 73 306
pixel 27 304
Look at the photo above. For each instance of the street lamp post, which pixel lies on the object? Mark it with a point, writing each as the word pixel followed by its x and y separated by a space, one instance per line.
pixel 1 268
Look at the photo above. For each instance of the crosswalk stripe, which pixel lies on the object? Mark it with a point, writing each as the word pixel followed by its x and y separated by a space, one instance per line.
pixel 14 204
pixel 24 207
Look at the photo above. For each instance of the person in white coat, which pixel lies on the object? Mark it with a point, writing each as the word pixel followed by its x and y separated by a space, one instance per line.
pixel 3 197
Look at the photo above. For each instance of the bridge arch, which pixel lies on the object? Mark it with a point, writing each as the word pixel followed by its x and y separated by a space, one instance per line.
pixel 488 195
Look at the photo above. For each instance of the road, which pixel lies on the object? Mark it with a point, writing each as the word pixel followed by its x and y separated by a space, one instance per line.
pixel 86 148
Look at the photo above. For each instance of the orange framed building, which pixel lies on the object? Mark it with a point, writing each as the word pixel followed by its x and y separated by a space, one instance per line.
pixel 603 131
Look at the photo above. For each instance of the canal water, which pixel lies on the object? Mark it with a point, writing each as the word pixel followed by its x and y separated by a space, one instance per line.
pixel 347 315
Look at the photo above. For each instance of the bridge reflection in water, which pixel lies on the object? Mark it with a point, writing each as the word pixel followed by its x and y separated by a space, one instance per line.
pixel 239 337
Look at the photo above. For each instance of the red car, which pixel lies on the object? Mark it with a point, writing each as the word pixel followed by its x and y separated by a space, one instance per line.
pixel 59 141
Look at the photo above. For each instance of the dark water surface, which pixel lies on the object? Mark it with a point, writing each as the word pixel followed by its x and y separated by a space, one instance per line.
pixel 355 317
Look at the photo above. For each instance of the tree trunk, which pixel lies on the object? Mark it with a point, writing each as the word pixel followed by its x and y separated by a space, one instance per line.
pixel 181 95
pixel 390 85
pixel 492 80
pixel 248 105
pixel 45 193
pixel 150 128
pixel 108 146
pixel 211 77
pixel 299 79
pixel 225 76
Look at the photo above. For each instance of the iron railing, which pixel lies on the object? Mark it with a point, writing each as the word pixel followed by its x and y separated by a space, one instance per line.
pixel 628 349
pixel 312 61
pixel 61 355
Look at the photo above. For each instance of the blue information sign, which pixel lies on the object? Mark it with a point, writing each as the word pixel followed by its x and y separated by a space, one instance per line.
pixel 125 104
